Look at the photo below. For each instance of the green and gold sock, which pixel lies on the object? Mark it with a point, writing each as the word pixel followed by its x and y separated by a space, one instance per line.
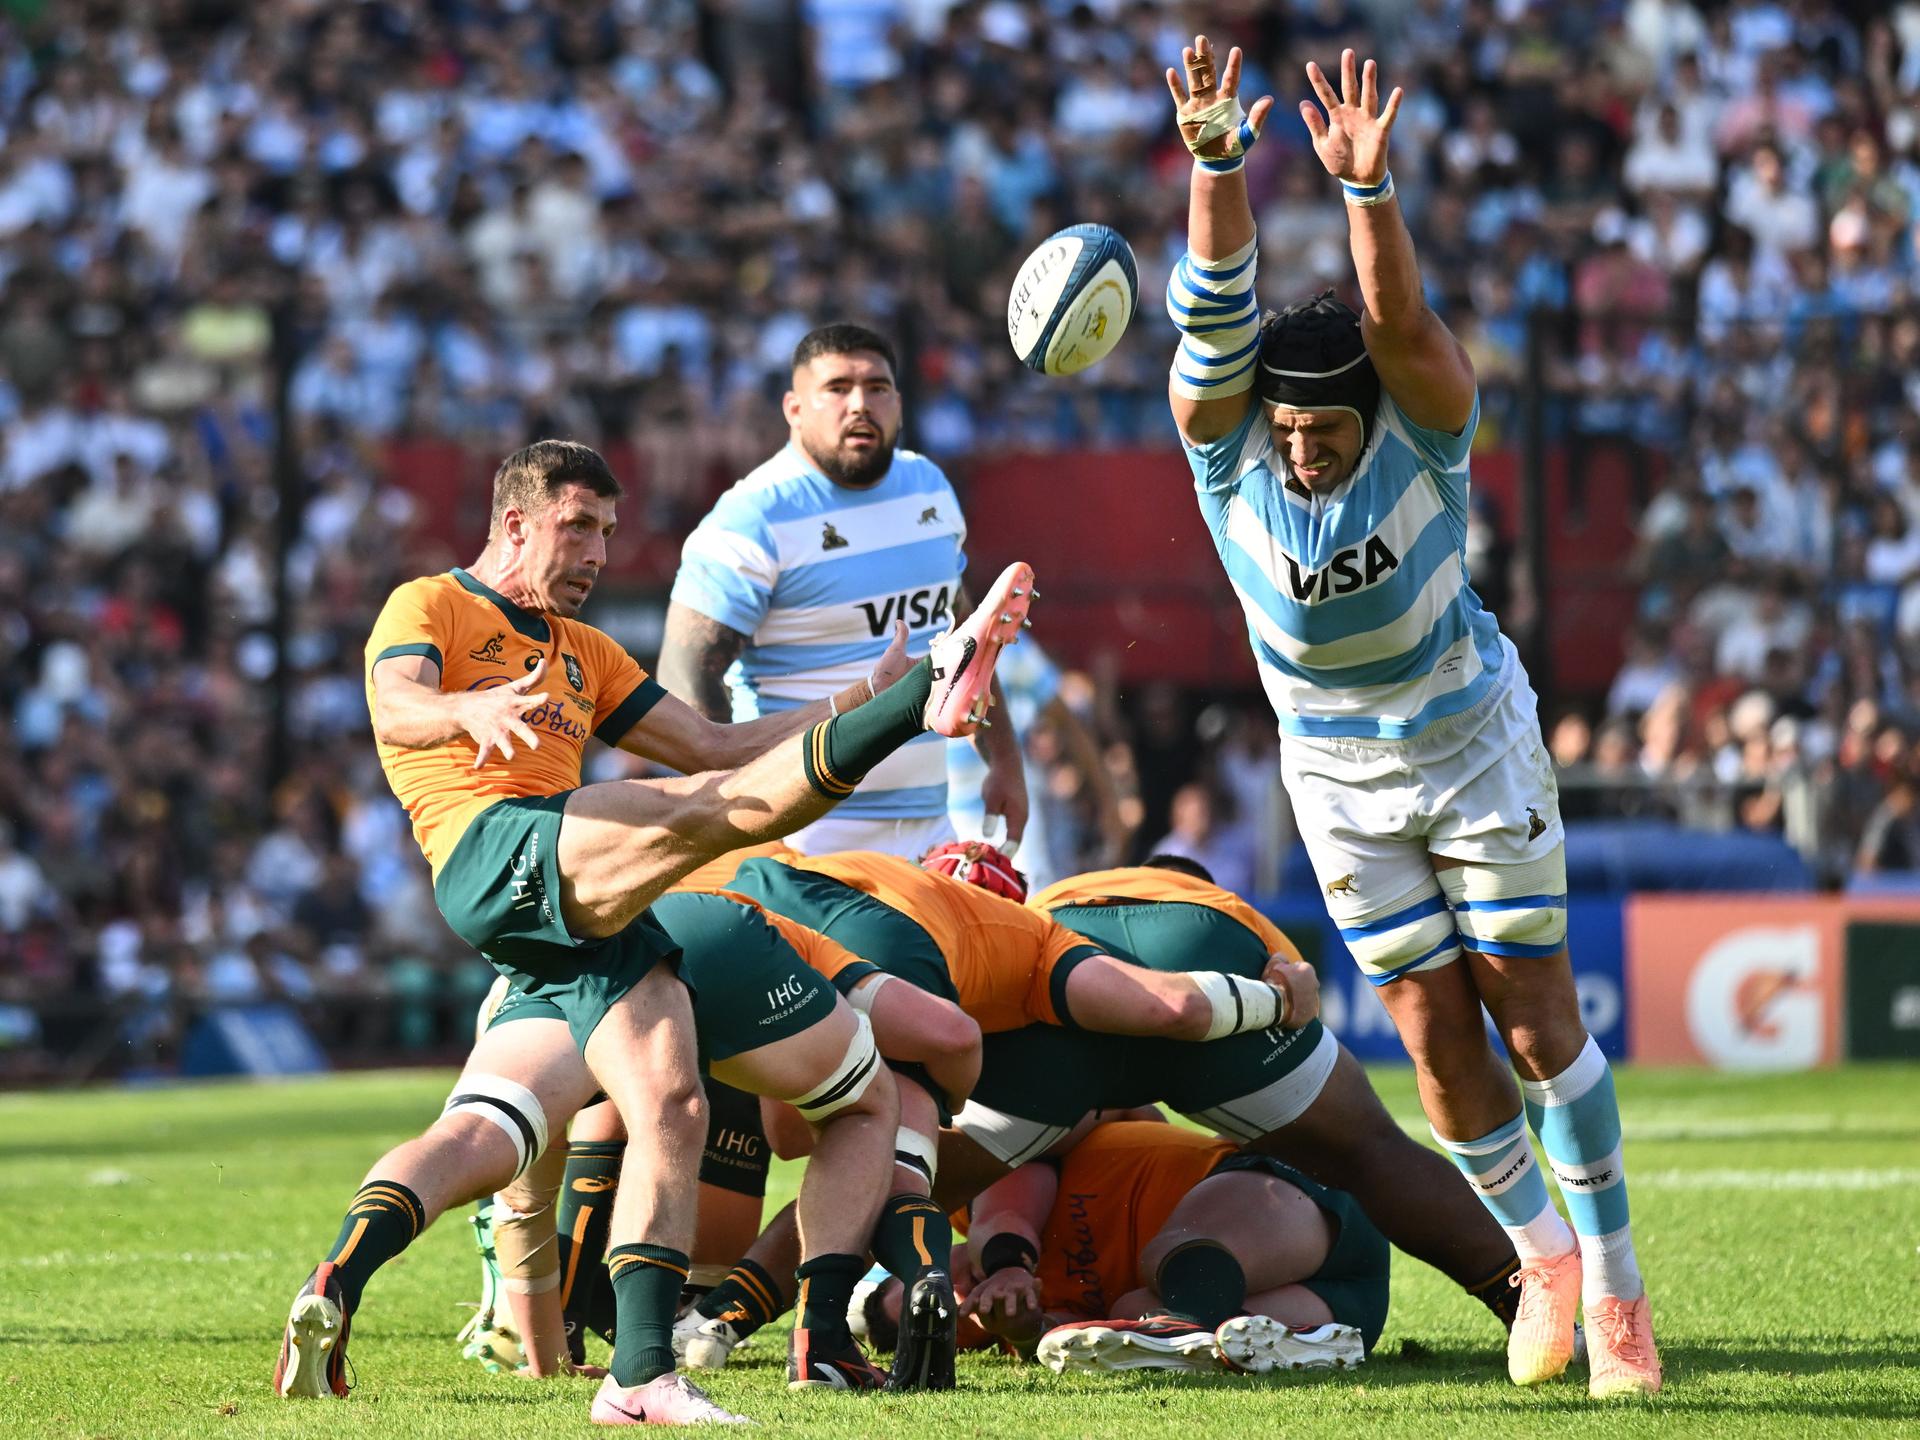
pixel 585 1215
pixel 839 752
pixel 747 1299
pixel 912 1236
pixel 646 1288
pixel 826 1287
pixel 383 1220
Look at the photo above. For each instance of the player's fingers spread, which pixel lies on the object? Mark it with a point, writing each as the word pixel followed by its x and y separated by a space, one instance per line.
pixel 504 746
pixel 1393 108
pixel 1370 87
pixel 1257 115
pixel 526 733
pixel 532 677
pixel 480 755
pixel 1230 73
pixel 1316 122
pixel 1317 78
pixel 1349 78
pixel 1173 84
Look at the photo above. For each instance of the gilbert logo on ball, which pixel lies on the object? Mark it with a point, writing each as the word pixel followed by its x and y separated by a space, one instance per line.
pixel 1072 300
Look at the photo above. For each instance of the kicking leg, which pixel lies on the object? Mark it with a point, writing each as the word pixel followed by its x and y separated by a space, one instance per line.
pixel 623 843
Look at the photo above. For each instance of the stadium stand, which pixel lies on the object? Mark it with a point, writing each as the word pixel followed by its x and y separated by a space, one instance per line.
pixel 468 222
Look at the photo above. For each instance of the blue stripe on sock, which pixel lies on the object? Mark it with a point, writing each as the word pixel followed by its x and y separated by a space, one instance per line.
pixel 1582 1133
pixel 1522 1201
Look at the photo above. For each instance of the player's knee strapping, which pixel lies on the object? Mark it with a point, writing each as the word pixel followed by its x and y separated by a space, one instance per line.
pixel 1213 305
pixel 507 1104
pixel 850 1080
pixel 1414 932
pixel 525 1233
pixel 916 1153
pixel 1510 910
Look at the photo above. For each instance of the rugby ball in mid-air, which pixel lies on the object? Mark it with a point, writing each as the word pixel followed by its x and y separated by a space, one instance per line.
pixel 1072 300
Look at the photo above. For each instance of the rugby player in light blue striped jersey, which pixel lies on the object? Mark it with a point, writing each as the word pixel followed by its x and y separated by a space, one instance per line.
pixel 792 586
pixel 1330 454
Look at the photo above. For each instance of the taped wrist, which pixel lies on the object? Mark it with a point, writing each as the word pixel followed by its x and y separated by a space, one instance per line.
pixel 1006 1251
pixel 1212 304
pixel 1224 117
pixel 1239 1005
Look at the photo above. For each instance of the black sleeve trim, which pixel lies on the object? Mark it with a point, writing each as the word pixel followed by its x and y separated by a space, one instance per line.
pixel 432 652
pixel 629 712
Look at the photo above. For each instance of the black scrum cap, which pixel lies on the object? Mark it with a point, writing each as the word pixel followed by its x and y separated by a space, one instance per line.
pixel 1312 358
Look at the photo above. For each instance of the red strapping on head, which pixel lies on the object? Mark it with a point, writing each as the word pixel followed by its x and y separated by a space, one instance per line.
pixel 975 862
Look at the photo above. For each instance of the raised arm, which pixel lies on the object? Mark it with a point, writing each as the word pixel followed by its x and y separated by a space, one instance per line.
pixel 1419 362
pixel 1210 294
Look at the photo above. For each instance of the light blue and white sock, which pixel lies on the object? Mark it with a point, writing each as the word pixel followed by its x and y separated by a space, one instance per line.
pixel 1501 1168
pixel 1578 1121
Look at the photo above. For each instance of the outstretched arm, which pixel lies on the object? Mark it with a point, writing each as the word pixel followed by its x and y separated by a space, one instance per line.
pixel 1419 362
pixel 1210 295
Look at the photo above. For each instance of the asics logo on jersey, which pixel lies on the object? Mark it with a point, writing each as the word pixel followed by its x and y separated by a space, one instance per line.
pixel 594 1184
pixel 1536 827
pixel 1345 885
pixel 832 539
pixel 918 608
pixel 1354 568
pixel 489 653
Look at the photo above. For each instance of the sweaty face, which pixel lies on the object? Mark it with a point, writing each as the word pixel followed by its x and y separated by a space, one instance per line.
pixel 1320 446
pixel 844 412
pixel 564 548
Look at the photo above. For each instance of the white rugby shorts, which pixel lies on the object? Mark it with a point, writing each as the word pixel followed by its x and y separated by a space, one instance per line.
pixel 1477 787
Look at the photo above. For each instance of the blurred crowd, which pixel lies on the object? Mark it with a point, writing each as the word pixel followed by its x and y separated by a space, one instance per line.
pixel 1689 228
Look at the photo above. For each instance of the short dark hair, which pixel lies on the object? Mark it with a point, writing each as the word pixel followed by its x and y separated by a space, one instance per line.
pixel 1181 864
pixel 528 478
pixel 843 337
pixel 883 1333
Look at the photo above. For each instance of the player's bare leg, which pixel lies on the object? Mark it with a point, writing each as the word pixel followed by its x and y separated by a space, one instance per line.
pixel 1347 1138
pixel 492 1129
pixel 623 843
pixel 844 1183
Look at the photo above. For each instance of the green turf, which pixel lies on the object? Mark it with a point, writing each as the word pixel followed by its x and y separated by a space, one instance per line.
pixel 150 1242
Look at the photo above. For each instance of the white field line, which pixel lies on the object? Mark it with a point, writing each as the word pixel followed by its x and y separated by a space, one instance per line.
pixel 1891 1178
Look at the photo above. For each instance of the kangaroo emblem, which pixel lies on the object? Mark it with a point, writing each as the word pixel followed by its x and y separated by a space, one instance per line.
pixel 1343 886
pixel 1536 827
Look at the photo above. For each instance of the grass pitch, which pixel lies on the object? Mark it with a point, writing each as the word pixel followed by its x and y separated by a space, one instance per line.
pixel 150 1242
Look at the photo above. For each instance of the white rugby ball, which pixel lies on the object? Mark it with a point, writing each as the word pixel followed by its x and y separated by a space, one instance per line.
pixel 1072 299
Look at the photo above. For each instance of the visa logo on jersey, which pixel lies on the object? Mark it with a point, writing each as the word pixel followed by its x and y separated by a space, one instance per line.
pixel 1354 568
pixel 919 608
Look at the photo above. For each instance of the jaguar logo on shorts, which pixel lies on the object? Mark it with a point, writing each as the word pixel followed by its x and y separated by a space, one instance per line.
pixel 1536 827
pixel 1345 885
pixel 832 539
pixel 575 676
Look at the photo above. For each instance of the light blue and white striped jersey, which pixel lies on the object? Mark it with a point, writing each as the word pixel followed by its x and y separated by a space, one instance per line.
pixel 815 574
pixel 1357 603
